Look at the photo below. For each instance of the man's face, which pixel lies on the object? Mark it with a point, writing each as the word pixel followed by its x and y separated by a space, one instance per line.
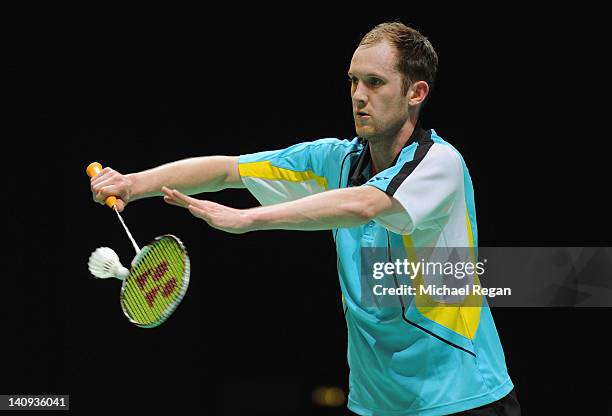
pixel 379 107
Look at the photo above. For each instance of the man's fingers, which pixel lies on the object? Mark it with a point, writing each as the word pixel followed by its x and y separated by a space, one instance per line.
pixel 95 198
pixel 101 194
pixel 198 212
pixel 103 183
pixel 102 200
pixel 171 201
pixel 179 196
pixel 98 197
pixel 197 207
pixel 103 175
pixel 120 205
pixel 170 198
pixel 109 190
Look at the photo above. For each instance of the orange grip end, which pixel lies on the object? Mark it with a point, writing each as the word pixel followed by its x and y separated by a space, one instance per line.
pixel 92 170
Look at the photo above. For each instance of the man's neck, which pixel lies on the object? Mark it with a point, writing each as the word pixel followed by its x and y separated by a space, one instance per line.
pixel 384 152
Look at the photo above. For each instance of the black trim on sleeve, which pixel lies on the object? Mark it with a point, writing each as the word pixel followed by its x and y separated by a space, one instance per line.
pixel 424 144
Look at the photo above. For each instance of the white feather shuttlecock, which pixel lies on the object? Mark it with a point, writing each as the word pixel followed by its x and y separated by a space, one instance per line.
pixel 105 263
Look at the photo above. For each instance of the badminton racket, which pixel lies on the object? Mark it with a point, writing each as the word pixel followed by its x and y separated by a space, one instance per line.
pixel 158 275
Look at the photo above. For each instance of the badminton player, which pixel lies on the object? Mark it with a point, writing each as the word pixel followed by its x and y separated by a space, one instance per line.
pixel 396 186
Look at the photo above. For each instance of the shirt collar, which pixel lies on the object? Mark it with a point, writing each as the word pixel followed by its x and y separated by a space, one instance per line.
pixel 356 174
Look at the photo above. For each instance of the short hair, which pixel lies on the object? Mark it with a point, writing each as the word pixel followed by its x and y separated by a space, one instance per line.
pixel 416 58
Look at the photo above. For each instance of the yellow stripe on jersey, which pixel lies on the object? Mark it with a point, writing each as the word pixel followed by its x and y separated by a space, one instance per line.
pixel 470 235
pixel 265 170
pixel 462 319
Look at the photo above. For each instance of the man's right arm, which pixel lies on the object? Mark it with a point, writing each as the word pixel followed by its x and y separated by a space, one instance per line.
pixel 190 176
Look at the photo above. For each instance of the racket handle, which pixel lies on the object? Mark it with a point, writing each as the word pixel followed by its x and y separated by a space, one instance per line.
pixel 92 170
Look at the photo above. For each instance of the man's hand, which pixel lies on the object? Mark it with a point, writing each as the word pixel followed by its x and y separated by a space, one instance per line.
pixel 231 220
pixel 111 183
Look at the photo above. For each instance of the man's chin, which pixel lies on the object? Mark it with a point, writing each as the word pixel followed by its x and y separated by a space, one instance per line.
pixel 364 132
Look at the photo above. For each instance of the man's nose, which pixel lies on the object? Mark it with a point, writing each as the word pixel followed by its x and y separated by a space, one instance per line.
pixel 359 95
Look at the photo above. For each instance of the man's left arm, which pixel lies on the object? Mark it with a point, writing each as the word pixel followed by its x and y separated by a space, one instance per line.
pixel 338 208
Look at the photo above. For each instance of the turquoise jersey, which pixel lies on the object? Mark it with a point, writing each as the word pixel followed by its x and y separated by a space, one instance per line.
pixel 417 358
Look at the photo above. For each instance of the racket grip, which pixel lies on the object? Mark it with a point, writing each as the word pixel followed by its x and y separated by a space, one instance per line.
pixel 92 170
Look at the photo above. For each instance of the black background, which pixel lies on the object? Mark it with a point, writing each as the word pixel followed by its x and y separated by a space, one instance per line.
pixel 523 96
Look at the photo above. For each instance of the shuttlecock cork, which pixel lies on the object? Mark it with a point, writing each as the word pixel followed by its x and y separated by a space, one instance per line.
pixel 105 263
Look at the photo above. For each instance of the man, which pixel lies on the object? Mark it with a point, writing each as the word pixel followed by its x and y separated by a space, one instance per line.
pixel 396 187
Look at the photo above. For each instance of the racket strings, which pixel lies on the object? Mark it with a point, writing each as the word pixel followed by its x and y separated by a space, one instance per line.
pixel 154 269
pixel 158 281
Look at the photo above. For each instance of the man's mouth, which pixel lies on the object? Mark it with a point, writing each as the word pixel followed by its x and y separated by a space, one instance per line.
pixel 362 115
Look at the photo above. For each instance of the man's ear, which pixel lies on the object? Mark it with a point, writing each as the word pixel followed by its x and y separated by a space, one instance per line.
pixel 418 92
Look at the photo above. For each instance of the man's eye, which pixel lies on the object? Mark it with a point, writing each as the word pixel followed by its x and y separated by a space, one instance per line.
pixel 375 82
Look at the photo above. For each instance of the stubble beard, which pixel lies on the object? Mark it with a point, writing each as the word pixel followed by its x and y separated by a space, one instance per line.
pixel 375 135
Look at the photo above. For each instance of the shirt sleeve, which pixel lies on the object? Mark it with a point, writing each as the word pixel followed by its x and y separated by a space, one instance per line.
pixel 426 187
pixel 287 174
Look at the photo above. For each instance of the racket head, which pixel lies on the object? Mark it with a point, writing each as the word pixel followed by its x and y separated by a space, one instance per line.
pixel 157 283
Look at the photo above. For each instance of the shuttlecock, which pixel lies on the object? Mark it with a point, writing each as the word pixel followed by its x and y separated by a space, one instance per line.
pixel 104 263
